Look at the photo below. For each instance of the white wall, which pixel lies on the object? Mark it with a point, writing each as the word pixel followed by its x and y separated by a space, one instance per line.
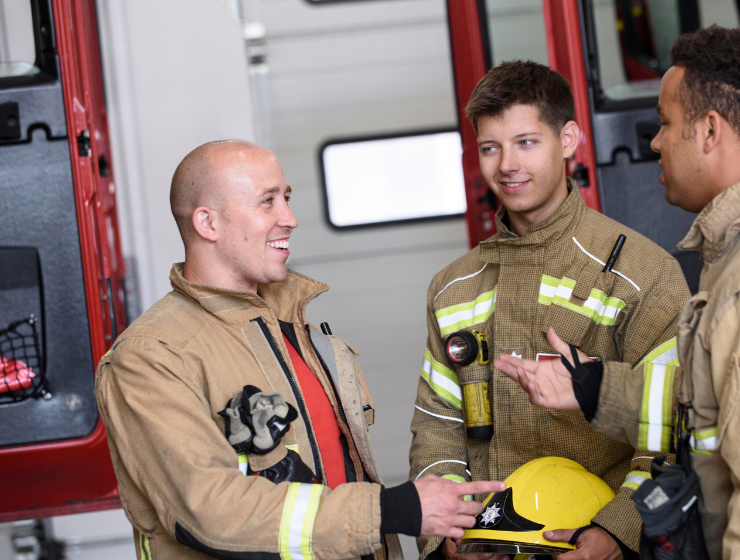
pixel 176 77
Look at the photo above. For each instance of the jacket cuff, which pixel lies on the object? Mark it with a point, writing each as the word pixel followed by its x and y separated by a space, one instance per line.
pixel 261 462
pixel 400 510
pixel 587 378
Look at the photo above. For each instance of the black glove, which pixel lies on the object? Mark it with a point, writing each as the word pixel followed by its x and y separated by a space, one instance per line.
pixel 256 421
pixel 290 468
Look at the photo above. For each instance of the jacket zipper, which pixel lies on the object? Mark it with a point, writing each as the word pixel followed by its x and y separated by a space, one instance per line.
pixel 336 392
pixel 298 397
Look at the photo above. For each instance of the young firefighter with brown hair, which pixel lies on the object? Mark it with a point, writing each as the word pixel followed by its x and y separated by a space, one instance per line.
pixel 699 146
pixel 540 269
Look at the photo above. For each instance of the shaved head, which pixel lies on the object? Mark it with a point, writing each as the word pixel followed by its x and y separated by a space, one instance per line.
pixel 202 178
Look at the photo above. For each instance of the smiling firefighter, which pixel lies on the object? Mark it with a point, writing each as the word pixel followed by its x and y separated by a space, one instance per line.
pixel 545 266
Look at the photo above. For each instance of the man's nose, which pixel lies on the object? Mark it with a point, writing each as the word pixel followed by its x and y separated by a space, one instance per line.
pixel 288 219
pixel 655 142
pixel 509 161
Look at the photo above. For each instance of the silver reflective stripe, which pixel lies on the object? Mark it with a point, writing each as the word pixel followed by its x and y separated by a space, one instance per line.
pixel 704 441
pixel 296 524
pixel 438 415
pixel 442 380
pixel 656 422
pixel 635 479
pixel 665 354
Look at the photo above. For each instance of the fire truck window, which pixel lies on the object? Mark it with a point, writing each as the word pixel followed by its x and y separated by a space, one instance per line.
pixel 17 47
pixel 384 180
pixel 516 30
pixel 634 38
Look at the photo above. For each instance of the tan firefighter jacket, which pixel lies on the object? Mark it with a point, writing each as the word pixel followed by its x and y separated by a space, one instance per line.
pixel 514 289
pixel 639 407
pixel 160 389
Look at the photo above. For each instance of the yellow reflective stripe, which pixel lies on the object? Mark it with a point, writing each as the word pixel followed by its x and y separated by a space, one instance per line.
pixel 599 307
pixel 243 462
pixel 635 479
pixel 146 554
pixel 454 478
pixel 456 317
pixel 442 380
pixel 107 353
pixel 704 441
pixel 296 524
pixel 665 354
pixel 292 447
pixel 656 426
pixel 459 479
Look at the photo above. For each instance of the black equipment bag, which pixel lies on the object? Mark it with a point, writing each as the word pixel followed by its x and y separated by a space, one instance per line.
pixel 669 507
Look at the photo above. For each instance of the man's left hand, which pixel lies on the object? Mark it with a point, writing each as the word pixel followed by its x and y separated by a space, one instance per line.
pixel 592 544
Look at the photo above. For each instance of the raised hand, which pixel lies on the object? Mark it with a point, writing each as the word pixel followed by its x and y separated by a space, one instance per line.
pixel 548 383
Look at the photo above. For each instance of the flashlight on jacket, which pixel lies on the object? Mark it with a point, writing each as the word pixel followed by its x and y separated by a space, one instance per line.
pixel 464 348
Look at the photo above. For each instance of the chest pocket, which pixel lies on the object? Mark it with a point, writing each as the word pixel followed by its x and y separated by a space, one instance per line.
pixel 576 304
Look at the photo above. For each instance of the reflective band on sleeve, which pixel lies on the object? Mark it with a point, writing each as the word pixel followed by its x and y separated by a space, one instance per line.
pixel 456 317
pixel 146 554
pixel 438 415
pixel 296 524
pixel 454 478
pixel 599 307
pixel 459 480
pixel 442 380
pixel 655 428
pixel 704 441
pixel 243 462
pixel 665 354
pixel 635 479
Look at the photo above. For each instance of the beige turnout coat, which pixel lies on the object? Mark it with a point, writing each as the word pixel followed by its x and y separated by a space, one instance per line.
pixel 639 406
pixel 514 288
pixel 160 389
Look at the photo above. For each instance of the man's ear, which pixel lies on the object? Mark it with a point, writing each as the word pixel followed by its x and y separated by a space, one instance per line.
pixel 711 128
pixel 205 221
pixel 570 136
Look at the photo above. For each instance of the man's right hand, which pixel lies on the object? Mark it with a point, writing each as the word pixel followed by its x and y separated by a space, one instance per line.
pixel 444 512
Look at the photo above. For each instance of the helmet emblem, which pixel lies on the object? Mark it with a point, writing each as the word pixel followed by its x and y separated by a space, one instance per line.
pixel 491 516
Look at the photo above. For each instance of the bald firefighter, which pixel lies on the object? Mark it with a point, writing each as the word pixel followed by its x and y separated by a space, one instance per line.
pixel 542 268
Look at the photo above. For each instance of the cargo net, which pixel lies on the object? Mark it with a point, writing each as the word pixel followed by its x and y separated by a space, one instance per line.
pixel 22 372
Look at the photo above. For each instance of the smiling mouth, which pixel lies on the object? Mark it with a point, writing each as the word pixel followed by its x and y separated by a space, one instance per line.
pixel 281 244
pixel 512 186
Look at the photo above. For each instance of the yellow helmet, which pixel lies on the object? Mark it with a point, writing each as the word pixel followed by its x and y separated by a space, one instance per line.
pixel 545 494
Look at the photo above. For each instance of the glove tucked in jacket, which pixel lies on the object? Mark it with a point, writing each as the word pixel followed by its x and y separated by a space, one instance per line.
pixel 255 424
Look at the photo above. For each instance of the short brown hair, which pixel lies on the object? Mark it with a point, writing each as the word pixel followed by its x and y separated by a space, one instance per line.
pixel 711 61
pixel 522 83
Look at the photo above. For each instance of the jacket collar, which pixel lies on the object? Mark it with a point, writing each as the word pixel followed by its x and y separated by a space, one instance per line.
pixel 287 299
pixel 564 219
pixel 716 227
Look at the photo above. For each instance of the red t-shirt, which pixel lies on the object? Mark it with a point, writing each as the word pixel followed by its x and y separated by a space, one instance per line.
pixel 323 419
